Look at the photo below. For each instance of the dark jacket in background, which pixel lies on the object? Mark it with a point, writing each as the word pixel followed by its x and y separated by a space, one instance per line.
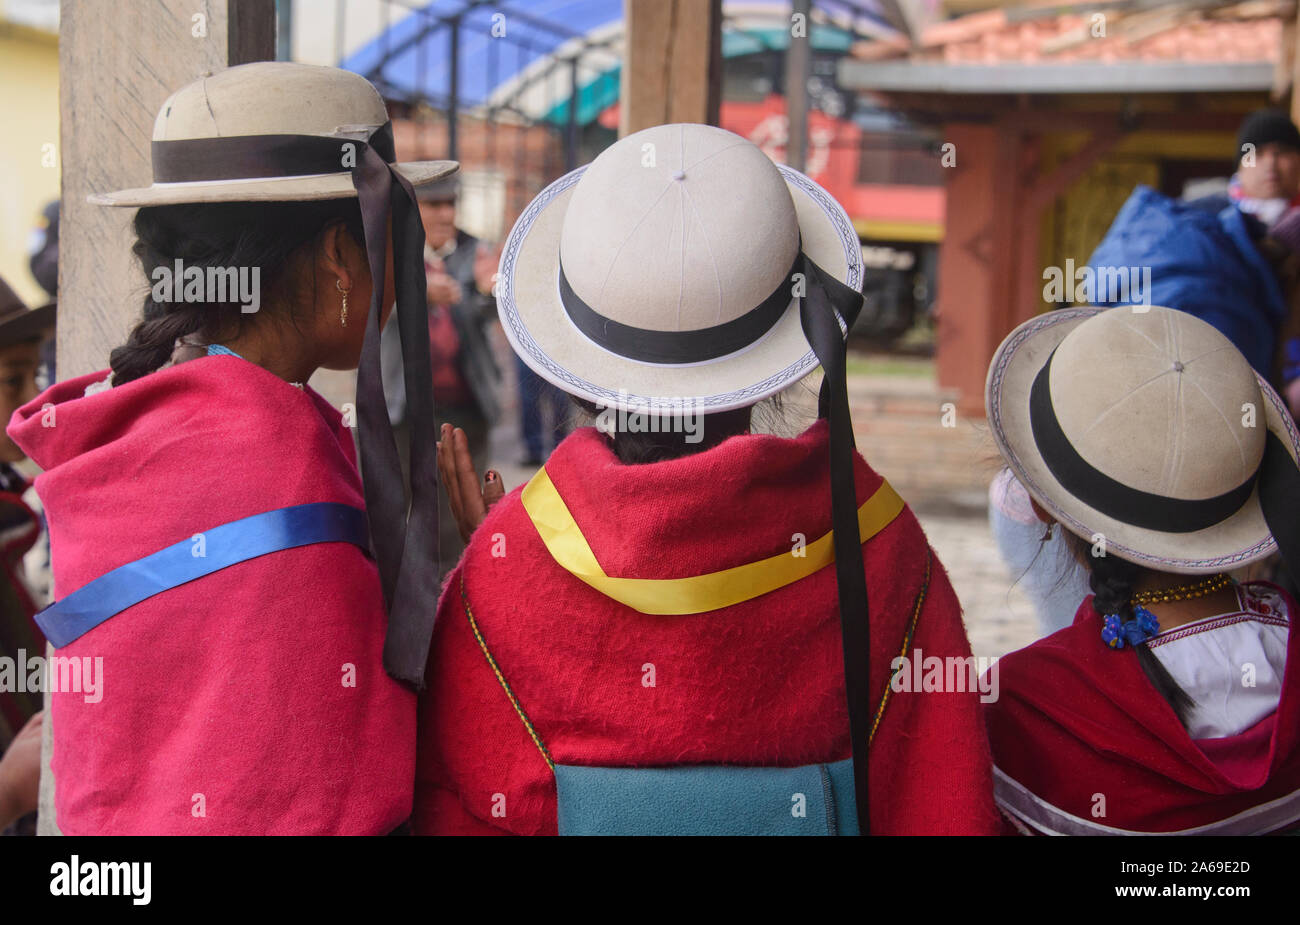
pixel 1203 263
pixel 471 316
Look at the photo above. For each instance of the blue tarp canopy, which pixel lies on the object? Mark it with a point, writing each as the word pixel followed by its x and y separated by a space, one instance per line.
pixel 507 51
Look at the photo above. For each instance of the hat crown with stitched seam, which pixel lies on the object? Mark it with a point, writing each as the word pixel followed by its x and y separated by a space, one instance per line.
pixel 674 232
pixel 271 98
pixel 1155 401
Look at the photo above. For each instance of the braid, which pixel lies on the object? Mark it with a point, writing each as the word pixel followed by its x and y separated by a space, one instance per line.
pixel 1113 581
pixel 150 343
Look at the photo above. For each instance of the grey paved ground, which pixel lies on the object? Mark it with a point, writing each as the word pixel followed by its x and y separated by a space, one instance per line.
pixel 998 617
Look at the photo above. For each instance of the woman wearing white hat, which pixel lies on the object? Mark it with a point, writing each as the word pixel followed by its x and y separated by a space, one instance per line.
pixel 650 636
pixel 1166 705
pixel 209 539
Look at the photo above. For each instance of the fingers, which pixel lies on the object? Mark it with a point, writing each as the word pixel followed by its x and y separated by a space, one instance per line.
pixel 447 470
pixel 493 489
pixel 471 497
pixel 468 498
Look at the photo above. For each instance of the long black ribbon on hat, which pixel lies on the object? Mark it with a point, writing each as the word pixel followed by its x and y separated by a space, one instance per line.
pixel 404 537
pixel 824 302
pixel 1277 478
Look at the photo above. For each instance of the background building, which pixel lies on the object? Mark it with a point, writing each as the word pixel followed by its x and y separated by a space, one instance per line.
pixel 29 105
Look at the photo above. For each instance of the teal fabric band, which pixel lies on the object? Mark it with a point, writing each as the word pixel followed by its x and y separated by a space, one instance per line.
pixel 815 799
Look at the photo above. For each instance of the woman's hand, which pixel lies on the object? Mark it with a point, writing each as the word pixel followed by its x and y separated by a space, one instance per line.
pixel 20 773
pixel 486 259
pixel 470 499
pixel 441 287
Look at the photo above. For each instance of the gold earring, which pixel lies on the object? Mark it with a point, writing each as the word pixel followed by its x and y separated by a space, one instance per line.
pixel 338 283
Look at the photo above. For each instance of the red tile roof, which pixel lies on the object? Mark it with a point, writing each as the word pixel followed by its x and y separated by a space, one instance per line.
pixel 1253 35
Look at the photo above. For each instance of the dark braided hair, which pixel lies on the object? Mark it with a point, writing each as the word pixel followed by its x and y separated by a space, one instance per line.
pixel 228 234
pixel 663 442
pixel 1113 581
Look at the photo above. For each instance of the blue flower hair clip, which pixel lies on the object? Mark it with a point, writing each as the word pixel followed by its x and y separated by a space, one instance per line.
pixel 1115 632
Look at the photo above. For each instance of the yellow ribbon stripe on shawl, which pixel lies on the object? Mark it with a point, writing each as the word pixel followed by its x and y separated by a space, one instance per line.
pixel 697 593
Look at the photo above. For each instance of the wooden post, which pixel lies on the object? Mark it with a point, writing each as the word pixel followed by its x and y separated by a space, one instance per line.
pixel 798 68
pixel 672 68
pixel 117 63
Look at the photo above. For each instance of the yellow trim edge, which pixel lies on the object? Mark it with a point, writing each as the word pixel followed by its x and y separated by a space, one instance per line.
pixel 496 670
pixel 696 593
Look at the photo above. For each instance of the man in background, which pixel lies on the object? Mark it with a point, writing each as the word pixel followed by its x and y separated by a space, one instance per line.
pixel 459 271
pixel 1213 257
pixel 1266 181
pixel 1268 166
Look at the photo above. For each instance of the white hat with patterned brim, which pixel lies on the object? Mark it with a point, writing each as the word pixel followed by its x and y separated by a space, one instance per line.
pixel 661 273
pixel 1145 427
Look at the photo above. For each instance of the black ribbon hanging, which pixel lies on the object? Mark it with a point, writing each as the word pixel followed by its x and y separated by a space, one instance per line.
pixel 407 558
pixel 404 536
pixel 825 303
pixel 1279 498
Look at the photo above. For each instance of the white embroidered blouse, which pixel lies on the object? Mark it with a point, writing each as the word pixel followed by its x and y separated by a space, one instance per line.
pixel 1230 664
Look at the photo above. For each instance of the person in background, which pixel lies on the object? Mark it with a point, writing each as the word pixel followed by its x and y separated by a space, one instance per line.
pixel 1266 189
pixel 22 334
pixel 1267 180
pixel 1281 246
pixel 459 271
pixel 1210 256
pixel 543 414
pixel 1166 705
pixel 43 248
pixel 1160 251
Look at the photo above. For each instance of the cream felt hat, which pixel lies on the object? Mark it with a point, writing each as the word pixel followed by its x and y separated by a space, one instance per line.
pixel 670 268
pixel 261 100
pixel 1146 425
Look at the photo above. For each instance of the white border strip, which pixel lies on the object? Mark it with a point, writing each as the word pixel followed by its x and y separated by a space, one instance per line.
pixel 1014 798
